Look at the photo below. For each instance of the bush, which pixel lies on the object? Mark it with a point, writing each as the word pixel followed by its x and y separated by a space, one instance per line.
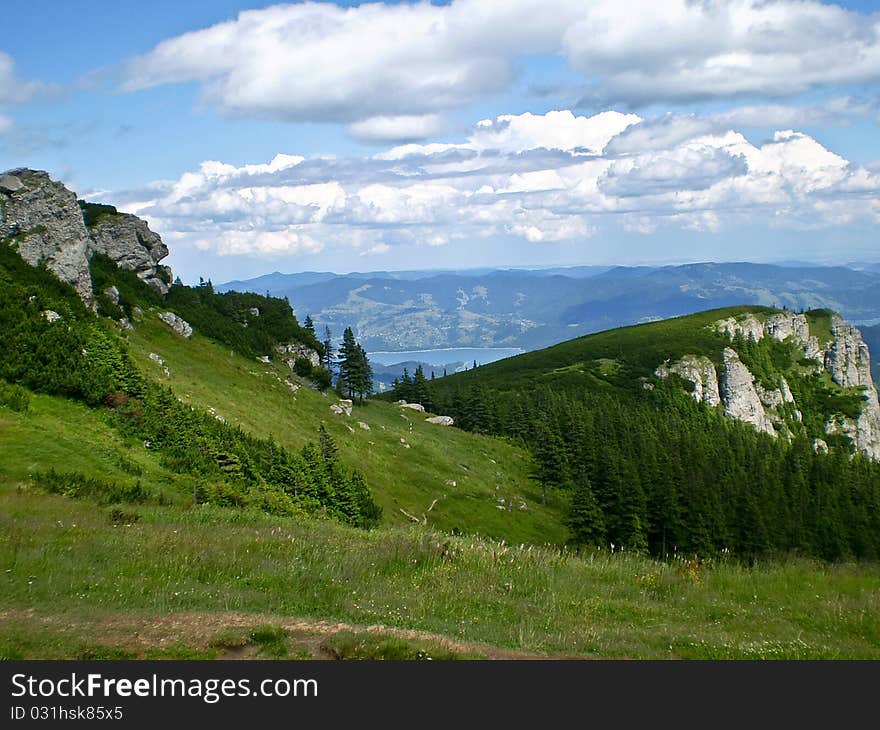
pixel 14 397
pixel 302 367
pixel 79 486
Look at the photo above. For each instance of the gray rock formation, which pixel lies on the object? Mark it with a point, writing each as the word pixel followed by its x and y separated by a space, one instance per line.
pixel 43 221
pixel 780 326
pixel 741 400
pixel 112 293
pixel 848 359
pixel 129 241
pixel 343 407
pixel 178 324
pixel 701 372
pixel 845 357
pixel 294 350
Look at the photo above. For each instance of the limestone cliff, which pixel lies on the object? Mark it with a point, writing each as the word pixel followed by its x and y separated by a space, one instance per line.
pixel 129 241
pixel 43 220
pixel 839 357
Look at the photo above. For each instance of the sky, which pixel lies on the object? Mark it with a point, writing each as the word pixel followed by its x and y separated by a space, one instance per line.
pixel 381 136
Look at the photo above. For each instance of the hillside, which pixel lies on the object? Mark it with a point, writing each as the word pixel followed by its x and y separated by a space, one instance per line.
pixel 742 430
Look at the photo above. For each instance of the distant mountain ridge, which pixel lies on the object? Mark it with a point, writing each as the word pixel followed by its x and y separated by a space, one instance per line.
pixel 532 308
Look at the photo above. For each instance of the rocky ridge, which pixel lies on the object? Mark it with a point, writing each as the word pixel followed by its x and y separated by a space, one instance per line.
pixel 44 221
pixel 843 355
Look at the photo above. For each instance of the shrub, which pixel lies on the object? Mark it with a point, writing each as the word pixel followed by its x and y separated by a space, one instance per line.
pixel 14 397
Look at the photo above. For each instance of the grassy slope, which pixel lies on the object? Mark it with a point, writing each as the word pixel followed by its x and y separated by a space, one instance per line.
pixel 73 584
pixel 252 394
pixel 618 357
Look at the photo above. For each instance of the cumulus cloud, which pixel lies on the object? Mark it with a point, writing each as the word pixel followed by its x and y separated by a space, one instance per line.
pixel 388 69
pixel 396 129
pixel 539 178
pixel 679 50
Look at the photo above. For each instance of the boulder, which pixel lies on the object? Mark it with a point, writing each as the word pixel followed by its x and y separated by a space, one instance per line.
pixel 178 324
pixel 414 406
pixel 441 420
pixel 10 184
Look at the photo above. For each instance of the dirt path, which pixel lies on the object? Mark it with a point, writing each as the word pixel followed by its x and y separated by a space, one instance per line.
pixel 138 633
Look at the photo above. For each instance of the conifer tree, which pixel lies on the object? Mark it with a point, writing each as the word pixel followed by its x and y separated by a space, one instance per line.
pixel 585 519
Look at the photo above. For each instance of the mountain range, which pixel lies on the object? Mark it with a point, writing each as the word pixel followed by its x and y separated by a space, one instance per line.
pixel 533 308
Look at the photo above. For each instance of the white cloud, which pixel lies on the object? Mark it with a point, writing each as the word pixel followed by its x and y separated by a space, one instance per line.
pixel 388 69
pixel 524 177
pixel 679 50
pixel 5 124
pixel 396 129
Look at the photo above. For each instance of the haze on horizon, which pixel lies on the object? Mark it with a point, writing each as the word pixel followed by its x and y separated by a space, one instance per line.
pixel 391 136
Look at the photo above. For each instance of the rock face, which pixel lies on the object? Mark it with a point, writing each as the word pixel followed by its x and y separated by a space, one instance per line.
pixel 129 241
pixel 848 359
pixel 773 410
pixel 741 399
pixel 43 220
pixel 178 324
pixel 291 351
pixel 46 226
pixel 697 370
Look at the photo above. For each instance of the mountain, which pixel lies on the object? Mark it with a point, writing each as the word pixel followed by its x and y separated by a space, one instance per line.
pixel 535 308
pixel 781 372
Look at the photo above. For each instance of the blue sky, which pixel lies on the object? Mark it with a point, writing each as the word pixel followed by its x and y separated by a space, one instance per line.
pixel 291 137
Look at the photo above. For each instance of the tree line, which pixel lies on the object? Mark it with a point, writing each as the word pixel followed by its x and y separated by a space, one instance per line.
pixel 663 474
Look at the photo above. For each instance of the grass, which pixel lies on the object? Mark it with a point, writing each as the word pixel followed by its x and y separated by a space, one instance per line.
pixel 68 575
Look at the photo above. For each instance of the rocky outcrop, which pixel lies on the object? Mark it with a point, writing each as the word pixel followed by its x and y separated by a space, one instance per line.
pixel 178 324
pixel 700 371
pixel 343 407
pixel 43 221
pixel 848 359
pixel 129 241
pixel 293 351
pixel 845 357
pixel 779 325
pixel 740 397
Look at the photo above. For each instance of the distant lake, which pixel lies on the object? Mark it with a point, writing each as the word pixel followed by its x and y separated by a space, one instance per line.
pixel 483 355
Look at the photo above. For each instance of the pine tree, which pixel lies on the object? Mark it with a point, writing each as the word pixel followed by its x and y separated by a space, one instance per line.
pixel 585 519
pixel 328 350
pixel 309 325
